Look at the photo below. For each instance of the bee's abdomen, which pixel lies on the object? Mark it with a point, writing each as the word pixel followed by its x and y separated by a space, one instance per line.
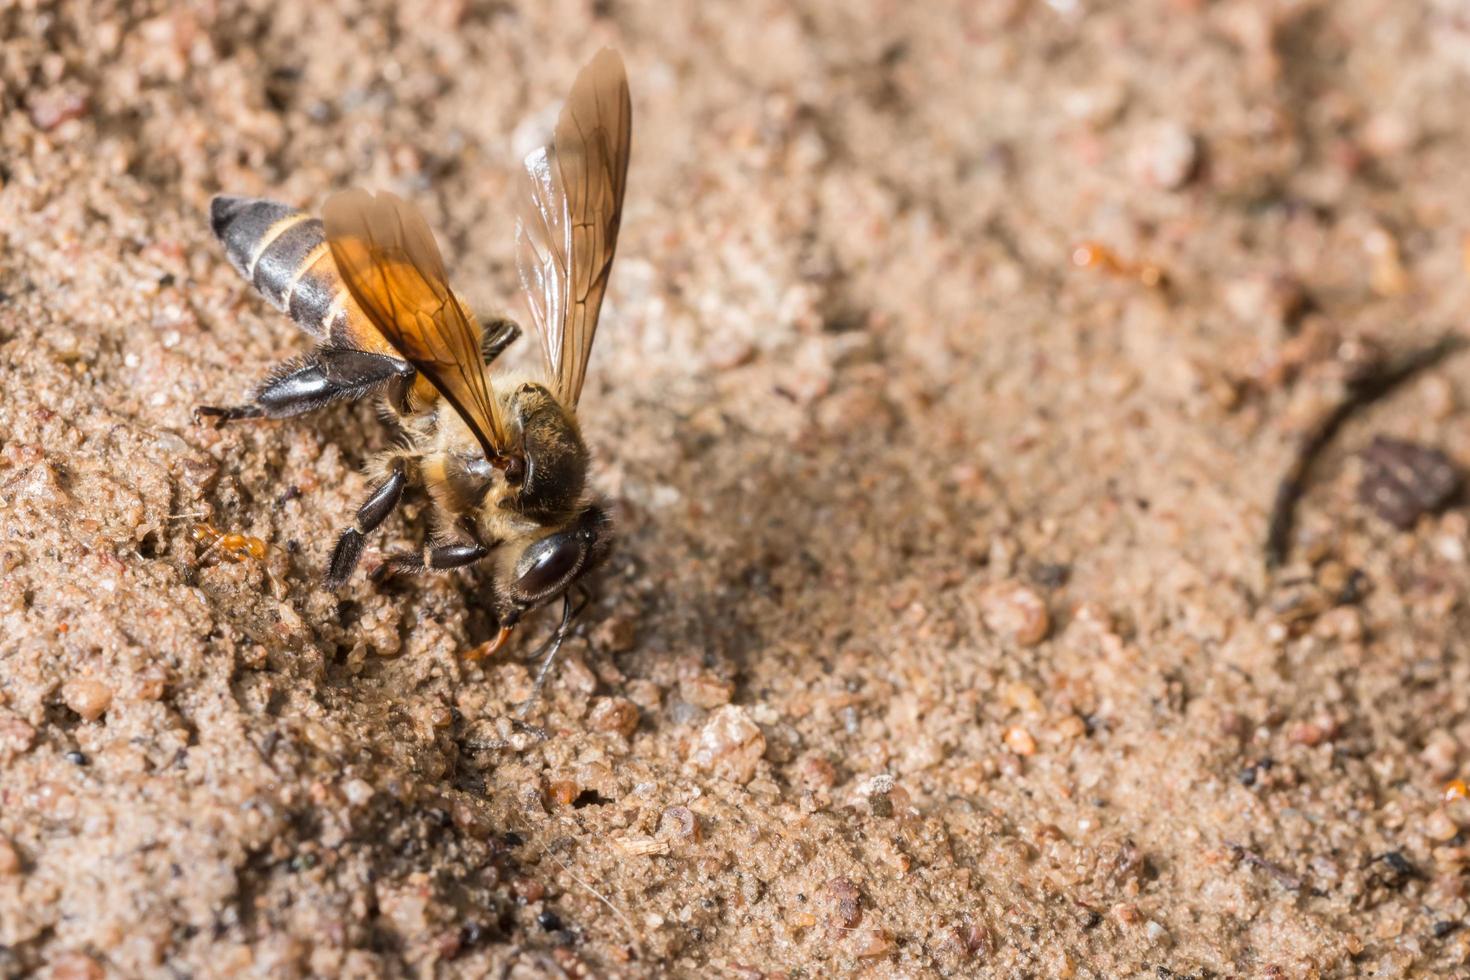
pixel 283 251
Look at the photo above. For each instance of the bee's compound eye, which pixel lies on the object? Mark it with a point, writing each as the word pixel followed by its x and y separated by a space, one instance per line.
pixel 547 562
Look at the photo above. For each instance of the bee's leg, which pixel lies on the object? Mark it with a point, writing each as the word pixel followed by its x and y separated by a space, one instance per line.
pixel 328 375
pixel 549 650
pixel 447 556
pixel 500 333
pixel 374 512
pixel 397 391
pixel 440 558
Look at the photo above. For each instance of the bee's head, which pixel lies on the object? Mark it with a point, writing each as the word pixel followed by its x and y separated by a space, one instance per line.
pixel 536 570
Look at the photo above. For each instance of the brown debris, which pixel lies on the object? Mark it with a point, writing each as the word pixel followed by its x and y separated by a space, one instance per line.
pixel 51 108
pixel 1403 480
pixel 1366 386
pixel 845 902
pixel 77 966
pixel 1246 854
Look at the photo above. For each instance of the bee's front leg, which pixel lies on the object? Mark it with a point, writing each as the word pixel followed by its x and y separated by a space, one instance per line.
pixel 548 651
pixel 372 513
pixel 499 334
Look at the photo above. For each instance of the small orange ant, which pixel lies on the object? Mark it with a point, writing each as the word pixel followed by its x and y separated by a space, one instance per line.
pixel 1095 255
pixel 234 546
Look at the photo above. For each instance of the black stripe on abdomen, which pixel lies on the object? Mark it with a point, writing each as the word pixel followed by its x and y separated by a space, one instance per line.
pixel 284 259
pixel 279 248
pixel 242 224
pixel 312 296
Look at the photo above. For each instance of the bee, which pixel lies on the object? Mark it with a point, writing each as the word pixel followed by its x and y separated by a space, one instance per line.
pixel 501 456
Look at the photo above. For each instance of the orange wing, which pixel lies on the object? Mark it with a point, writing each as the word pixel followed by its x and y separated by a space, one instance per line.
pixel 387 257
pixel 568 229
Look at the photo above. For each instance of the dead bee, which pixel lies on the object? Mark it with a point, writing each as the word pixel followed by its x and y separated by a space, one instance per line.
pixel 502 459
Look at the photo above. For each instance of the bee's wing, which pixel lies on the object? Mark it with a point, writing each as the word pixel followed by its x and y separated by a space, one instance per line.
pixel 568 227
pixel 386 255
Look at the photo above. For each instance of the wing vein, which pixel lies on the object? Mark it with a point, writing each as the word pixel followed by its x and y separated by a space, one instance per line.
pixel 387 257
pixel 567 232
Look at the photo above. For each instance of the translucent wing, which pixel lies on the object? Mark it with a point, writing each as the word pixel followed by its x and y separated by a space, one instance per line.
pixel 568 227
pixel 387 257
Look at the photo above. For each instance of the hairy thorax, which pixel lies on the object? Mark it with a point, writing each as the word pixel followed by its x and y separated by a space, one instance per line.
pixel 541 488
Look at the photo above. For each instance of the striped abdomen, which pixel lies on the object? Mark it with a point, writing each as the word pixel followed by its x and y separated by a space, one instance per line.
pixel 283 251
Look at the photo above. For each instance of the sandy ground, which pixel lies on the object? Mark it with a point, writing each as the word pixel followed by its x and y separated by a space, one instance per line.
pixel 939 638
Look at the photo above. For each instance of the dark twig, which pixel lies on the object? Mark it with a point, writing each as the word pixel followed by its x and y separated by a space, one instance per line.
pixel 1361 392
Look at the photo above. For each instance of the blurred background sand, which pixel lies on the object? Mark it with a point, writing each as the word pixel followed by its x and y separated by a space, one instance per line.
pixel 938 640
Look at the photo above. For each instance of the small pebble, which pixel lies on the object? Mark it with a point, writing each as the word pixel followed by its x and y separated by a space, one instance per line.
pixel 87 697
pixel 1441 754
pixel 1166 156
pixel 528 890
pixel 1388 134
pixel 9 858
pixel 729 745
pixel 616 634
pixel 357 791
pixel 1020 741
pixel 1439 397
pixel 76 966
pixel 1270 302
pixel 816 772
pixel 871 943
pixel 1308 733
pixel 449 943
pixel 55 106
pixel 681 823
pixel 16 736
pixel 1015 611
pixel 1440 827
pixel 616 715
pixel 1071 727
pixel 563 792
pixel 1342 623
pixel 1387 275
pixel 1021 697
pixel 707 691
pixel 845 902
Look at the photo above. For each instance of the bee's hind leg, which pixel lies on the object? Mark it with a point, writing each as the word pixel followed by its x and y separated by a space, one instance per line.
pixel 227 413
pixel 329 374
